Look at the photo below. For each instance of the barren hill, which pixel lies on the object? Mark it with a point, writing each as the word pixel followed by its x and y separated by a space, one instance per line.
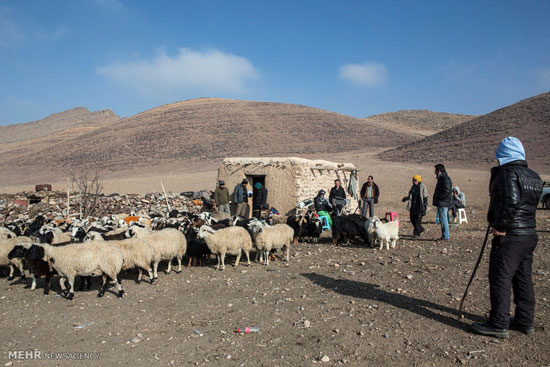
pixel 77 117
pixel 204 130
pixel 418 122
pixel 475 141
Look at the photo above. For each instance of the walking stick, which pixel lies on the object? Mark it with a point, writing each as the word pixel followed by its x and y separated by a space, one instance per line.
pixel 460 314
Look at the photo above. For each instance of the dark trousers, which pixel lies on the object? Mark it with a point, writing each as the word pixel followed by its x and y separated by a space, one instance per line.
pixel 416 221
pixel 454 208
pixel 510 268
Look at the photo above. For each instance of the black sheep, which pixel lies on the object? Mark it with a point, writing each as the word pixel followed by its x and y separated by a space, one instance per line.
pixel 348 227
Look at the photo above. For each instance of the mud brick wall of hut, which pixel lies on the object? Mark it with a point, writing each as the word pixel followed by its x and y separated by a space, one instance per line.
pixel 288 182
pixel 310 180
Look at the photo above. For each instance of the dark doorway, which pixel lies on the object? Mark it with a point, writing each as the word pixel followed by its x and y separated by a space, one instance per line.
pixel 253 180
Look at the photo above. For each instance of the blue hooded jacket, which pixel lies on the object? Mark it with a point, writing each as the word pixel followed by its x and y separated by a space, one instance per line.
pixel 510 149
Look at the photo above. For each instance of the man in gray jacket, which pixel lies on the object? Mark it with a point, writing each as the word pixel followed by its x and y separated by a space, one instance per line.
pixel 240 197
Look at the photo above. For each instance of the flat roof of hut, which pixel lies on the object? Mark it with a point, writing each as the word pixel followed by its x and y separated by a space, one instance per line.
pixel 289 180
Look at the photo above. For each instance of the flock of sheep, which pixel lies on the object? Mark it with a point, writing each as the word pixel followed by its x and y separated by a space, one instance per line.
pixel 106 246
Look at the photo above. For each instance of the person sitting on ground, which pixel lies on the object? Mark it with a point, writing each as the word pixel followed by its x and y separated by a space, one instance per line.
pixel 458 201
pixel 221 197
pixel 268 212
pixel 337 198
pixel 417 204
pixel 322 206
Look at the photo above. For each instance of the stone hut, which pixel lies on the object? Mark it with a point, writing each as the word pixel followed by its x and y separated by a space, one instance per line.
pixel 289 180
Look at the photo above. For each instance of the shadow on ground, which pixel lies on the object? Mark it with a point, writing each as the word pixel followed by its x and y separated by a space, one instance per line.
pixel 421 307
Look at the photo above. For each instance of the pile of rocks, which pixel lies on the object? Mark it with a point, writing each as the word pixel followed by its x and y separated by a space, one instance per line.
pixel 53 204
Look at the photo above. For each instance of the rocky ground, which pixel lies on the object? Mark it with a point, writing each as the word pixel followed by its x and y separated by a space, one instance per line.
pixel 330 305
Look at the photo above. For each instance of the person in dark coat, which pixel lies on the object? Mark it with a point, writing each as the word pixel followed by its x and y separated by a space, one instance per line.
pixel 322 206
pixel 515 191
pixel 417 204
pixel 369 196
pixel 442 199
pixel 337 197
pixel 259 199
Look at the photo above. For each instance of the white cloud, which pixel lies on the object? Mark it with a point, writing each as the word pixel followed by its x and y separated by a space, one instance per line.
pixel 369 74
pixel 209 71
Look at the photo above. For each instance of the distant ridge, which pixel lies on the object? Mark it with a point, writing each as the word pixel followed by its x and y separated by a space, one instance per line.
pixel 475 141
pixel 207 129
pixel 419 122
pixel 76 117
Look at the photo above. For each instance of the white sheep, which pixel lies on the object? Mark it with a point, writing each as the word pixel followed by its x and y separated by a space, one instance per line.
pixel 230 240
pixel 386 233
pixel 371 231
pixel 168 243
pixel 58 236
pixel 86 259
pixel 279 236
pixel 6 234
pixel 135 253
pixel 5 247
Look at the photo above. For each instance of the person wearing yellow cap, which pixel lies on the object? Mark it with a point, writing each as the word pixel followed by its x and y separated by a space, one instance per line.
pixel 417 201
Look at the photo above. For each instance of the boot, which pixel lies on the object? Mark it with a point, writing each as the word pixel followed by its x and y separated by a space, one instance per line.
pixel 487 329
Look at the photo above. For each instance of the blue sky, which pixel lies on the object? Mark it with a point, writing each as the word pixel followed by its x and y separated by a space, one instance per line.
pixel 358 58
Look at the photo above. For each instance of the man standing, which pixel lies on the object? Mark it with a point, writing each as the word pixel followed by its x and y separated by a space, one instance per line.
pixel 259 199
pixel 443 198
pixel 221 197
pixel 515 191
pixel 337 197
pixel 240 197
pixel 369 195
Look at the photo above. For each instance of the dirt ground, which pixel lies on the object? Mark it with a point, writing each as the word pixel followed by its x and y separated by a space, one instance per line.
pixel 330 305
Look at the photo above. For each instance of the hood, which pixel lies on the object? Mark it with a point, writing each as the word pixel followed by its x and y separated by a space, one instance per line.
pixel 510 149
pixel 457 189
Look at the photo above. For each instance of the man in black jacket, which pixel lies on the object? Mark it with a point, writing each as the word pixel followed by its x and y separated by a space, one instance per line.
pixel 443 197
pixel 259 199
pixel 337 197
pixel 515 191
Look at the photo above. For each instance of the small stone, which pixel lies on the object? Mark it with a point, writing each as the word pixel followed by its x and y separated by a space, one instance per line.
pixel 386 335
pixel 228 356
pixel 325 359
pixel 307 324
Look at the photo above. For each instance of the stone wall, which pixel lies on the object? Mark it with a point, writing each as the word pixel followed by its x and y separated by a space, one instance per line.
pixel 309 181
pixel 288 180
